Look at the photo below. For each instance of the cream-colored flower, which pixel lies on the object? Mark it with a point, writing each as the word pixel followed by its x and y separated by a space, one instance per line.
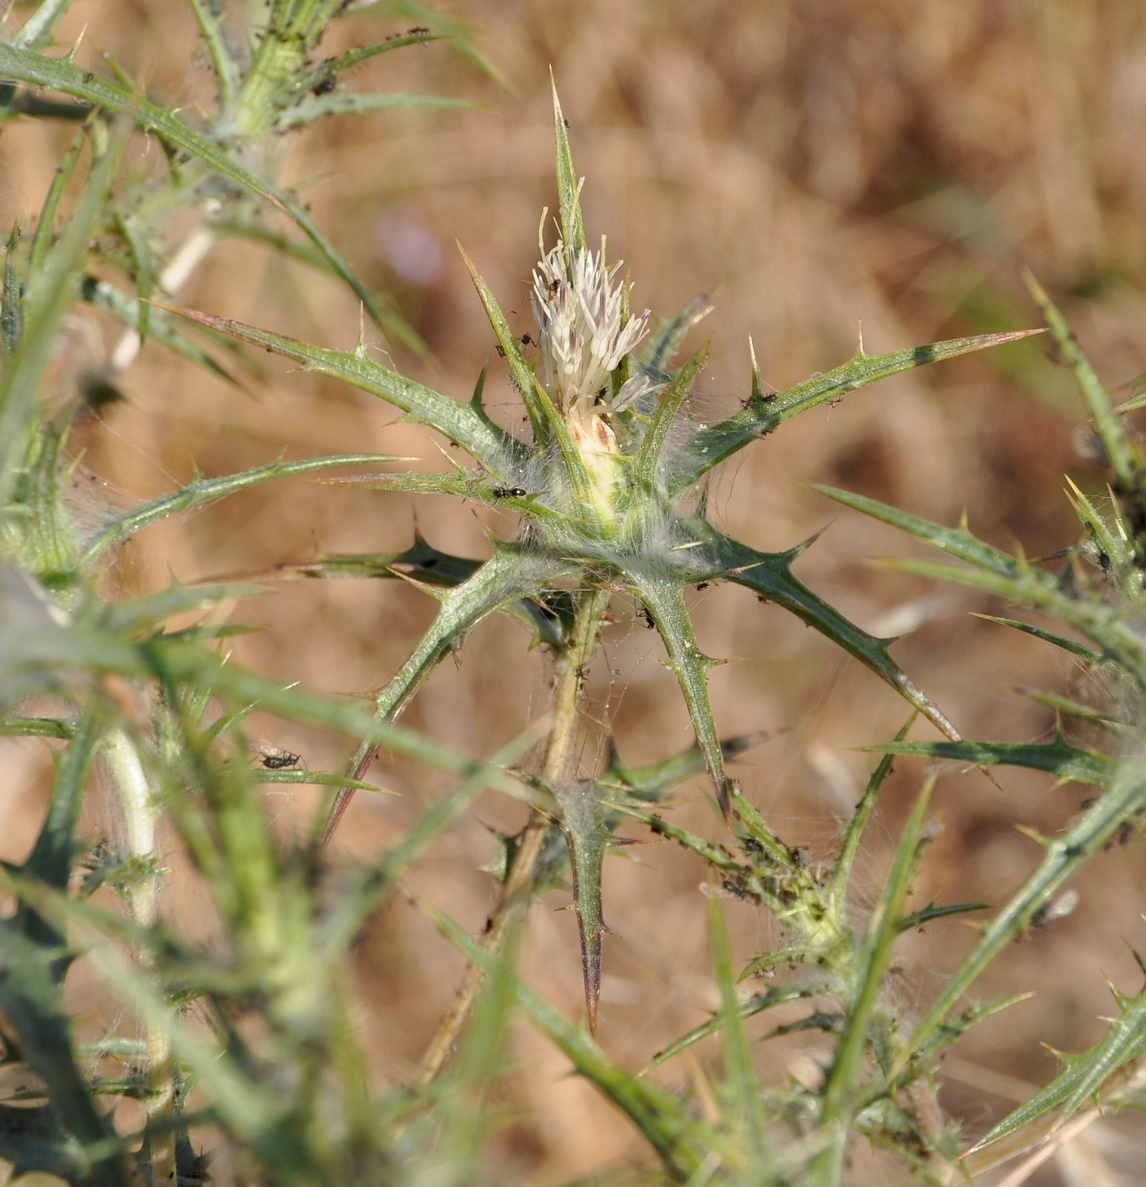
pixel 578 310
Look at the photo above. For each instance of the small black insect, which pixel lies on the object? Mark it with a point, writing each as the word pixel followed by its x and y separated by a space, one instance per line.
pixel 509 492
pixel 526 339
pixel 280 761
pixel 702 585
pixel 500 351
pixel 324 87
pixel 647 617
pixel 554 285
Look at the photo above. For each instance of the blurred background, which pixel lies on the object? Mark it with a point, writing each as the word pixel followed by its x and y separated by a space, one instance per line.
pixel 810 167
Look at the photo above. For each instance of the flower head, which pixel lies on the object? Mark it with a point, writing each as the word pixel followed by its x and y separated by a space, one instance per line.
pixel 582 333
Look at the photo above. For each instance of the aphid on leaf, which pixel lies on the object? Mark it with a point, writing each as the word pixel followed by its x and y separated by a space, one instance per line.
pixel 273 759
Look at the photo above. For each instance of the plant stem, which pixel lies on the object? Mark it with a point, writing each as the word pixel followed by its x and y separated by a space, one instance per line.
pixel 517 887
pixel 141 815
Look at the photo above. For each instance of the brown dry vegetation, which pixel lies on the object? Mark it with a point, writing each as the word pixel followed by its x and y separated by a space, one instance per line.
pixel 810 166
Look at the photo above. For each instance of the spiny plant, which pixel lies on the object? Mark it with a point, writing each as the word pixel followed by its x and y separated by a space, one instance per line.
pixel 608 488
pixel 1093 599
pixel 247 1041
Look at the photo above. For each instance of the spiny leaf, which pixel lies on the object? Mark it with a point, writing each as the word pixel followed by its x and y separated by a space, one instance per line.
pixel 307 111
pixel 770 577
pixel 709 447
pixel 1069 707
pixel 219 46
pixel 491 446
pixel 776 995
pixel 873 960
pixel 994 571
pixel 583 823
pixel 655 780
pixel 548 616
pixel 835 887
pixel 958 542
pixel 36 32
pixel 146 318
pixel 1036 632
pixel 1102 623
pixel 60 75
pixel 683 1142
pixel 664 600
pixel 568 183
pixel 1062 760
pixel 935 911
pixel 650 459
pixel 49 293
pixel 658 352
pixel 743 1084
pixel 1114 553
pixel 1122 452
pixel 1121 802
pixel 1083 1077
pixel 208 490
pixel 513 573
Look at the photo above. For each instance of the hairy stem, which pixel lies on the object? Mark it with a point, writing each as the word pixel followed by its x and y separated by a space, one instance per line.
pixel 141 815
pixel 517 888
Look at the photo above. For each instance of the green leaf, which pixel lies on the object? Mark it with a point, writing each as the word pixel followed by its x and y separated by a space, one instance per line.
pixel 776 995
pixel 568 183
pixel 513 573
pixel 958 542
pixel 583 824
pixel 1067 763
pixel 1114 555
pixel 1036 632
pixel 1084 1076
pixel 664 600
pixel 50 291
pixel 709 447
pixel 654 781
pixel 209 16
pixel 683 1142
pixel 1121 802
pixel 872 962
pixel 496 449
pixel 1009 577
pixel 36 31
pixel 836 884
pixel 548 615
pixel 147 319
pixel 651 457
pixel 770 577
pixel 742 1087
pixel 209 490
pixel 20 65
pixel 657 354
pixel 1123 455
pixel 307 111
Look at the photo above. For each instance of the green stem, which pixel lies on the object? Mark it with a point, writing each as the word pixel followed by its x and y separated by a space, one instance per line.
pixel 141 817
pixel 517 888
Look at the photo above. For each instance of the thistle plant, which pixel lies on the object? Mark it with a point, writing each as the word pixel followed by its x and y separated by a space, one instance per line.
pixel 609 493
pixel 246 1042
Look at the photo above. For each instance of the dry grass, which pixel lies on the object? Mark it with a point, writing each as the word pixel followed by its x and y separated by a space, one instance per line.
pixel 809 166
